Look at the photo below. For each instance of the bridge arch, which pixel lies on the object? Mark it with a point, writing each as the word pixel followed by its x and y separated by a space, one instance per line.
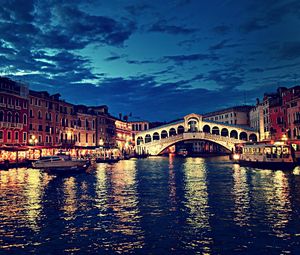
pixel 155 136
pixel 253 138
pixel 206 129
pixel 164 134
pixel 148 138
pixel 180 129
pixel 234 134
pixel 224 132
pixel 172 132
pixel 243 136
pixel 140 140
pixel 215 130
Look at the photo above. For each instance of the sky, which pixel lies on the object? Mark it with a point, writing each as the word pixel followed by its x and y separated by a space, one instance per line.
pixel 158 60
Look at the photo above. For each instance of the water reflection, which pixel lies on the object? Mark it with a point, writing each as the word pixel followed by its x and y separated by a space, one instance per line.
pixel 273 192
pixel 197 204
pixel 123 203
pixel 240 193
pixel 70 200
pixel 172 184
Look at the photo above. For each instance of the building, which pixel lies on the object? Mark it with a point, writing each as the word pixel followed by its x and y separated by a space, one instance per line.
pixel 124 135
pixel 238 115
pixel 13 112
pixel 106 128
pixel 291 103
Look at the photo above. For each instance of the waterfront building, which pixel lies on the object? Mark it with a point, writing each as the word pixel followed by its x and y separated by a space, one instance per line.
pixel 106 128
pixel 291 103
pixel 238 115
pixel 13 112
pixel 123 135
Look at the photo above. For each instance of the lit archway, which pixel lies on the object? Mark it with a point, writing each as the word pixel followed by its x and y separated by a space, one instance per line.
pixel 180 130
pixel 164 134
pixel 234 134
pixel 253 138
pixel 243 136
pixel 147 138
pixel 140 140
pixel 172 132
pixel 206 129
pixel 224 132
pixel 156 136
pixel 215 131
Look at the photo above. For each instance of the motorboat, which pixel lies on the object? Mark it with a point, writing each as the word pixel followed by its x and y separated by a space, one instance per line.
pixel 61 164
pixel 277 156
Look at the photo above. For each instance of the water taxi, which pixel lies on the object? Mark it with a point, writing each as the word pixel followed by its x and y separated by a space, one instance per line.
pixel 277 156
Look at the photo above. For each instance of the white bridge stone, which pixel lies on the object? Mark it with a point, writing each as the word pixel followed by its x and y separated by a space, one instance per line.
pixel 192 127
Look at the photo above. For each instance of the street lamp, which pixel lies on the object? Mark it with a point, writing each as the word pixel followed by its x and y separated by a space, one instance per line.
pixel 33 140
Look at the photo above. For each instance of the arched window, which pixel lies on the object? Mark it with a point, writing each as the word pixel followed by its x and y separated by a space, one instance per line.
pixel 1 116
pixel 17 118
pixel 9 117
pixel 193 125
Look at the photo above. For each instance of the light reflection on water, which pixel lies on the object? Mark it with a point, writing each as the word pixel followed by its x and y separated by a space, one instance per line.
pixel 151 206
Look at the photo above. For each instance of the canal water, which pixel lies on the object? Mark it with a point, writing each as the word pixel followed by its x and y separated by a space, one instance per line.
pixel 157 205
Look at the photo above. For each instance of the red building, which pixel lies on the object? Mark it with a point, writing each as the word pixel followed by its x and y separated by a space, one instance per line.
pixel 13 112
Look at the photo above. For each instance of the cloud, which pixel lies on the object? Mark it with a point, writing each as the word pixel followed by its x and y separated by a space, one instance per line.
pixel 221 29
pixel 180 59
pixel 289 50
pixel 162 27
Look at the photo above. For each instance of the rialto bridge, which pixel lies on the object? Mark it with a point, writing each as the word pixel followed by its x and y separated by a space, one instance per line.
pixel 192 127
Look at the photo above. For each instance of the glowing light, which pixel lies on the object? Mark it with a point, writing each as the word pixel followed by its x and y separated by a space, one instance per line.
pixel 236 156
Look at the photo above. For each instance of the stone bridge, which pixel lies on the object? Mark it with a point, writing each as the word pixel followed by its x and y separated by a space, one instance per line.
pixel 192 127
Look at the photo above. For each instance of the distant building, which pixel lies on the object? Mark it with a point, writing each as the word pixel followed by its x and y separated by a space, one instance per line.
pixel 13 112
pixel 238 115
pixel 138 126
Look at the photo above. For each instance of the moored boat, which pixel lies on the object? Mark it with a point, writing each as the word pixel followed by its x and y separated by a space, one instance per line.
pixel 277 156
pixel 61 164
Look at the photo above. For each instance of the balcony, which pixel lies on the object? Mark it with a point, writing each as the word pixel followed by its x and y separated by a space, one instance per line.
pixel 10 106
pixel 2 105
pixel 11 125
pixel 18 107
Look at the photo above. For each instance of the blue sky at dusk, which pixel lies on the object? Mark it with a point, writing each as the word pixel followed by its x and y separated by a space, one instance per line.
pixel 156 59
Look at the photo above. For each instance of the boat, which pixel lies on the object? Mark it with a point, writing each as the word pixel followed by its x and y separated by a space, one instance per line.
pixel 60 164
pixel 277 156
pixel 182 153
pixel 107 160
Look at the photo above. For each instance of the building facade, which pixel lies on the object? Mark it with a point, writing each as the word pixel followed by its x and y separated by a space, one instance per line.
pixel 238 115
pixel 13 112
pixel 138 126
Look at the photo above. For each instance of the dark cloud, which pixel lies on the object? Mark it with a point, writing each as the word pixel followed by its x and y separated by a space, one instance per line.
pixel 162 27
pixel 180 59
pixel 289 50
pixel 221 29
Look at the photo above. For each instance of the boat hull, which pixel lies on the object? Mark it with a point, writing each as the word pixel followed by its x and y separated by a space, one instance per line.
pixel 267 165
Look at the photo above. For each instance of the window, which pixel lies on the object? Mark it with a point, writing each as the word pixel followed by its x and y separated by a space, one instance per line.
pixel 24 137
pixel 25 119
pixel 1 116
pixel 47 139
pixel 1 135
pixel 8 135
pixel 40 139
pixel 86 138
pixel 40 127
pixel 9 117
pixel 17 136
pixel 30 113
pixel 39 115
pixel 30 127
pixel 17 118
pixel 25 105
